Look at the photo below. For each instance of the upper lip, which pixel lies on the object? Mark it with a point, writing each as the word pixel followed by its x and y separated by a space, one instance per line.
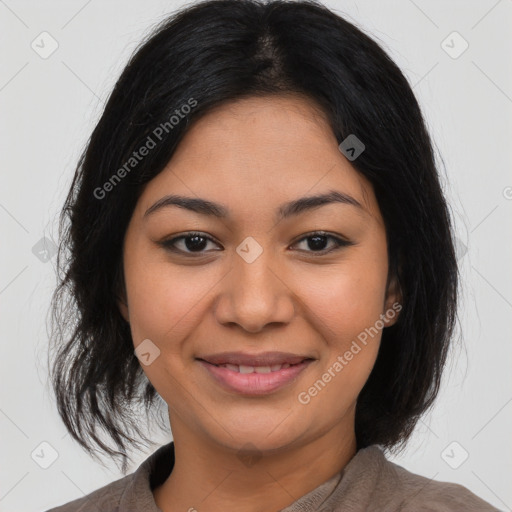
pixel 262 359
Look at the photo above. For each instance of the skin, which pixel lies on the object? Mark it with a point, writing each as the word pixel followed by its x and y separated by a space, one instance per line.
pixel 252 156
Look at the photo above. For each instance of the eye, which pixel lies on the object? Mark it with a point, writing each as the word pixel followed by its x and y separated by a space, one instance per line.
pixel 190 243
pixel 319 239
pixel 194 243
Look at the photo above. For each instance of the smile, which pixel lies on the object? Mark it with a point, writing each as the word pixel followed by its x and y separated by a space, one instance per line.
pixel 254 380
pixel 254 369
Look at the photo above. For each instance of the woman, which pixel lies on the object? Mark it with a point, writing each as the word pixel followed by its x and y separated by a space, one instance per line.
pixel 258 237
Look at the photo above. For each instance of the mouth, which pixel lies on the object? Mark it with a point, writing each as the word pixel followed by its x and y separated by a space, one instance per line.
pixel 262 359
pixel 242 368
pixel 255 378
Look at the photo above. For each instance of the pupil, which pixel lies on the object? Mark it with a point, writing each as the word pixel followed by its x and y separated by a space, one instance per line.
pixel 316 244
pixel 194 245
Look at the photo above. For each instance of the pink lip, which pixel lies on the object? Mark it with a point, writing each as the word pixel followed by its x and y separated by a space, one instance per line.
pixel 254 383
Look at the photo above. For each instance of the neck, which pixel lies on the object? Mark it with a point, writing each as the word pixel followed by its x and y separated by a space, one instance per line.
pixel 210 476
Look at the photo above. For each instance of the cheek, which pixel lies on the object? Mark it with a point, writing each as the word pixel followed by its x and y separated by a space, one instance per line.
pixel 163 299
pixel 348 298
pixel 164 306
pixel 345 313
pixel 346 304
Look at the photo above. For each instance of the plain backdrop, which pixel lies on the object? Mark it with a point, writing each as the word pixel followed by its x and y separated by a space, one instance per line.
pixel 50 105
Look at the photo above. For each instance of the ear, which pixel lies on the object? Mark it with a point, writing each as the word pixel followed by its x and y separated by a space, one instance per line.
pixel 393 301
pixel 123 308
pixel 121 298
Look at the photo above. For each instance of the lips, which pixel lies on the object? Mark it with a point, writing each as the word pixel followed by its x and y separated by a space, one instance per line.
pixel 258 380
pixel 262 361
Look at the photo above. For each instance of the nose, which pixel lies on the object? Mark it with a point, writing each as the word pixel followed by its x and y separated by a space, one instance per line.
pixel 256 294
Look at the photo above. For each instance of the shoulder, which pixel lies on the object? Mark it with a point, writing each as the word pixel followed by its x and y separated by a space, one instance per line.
pixel 402 490
pixel 106 498
pixel 132 492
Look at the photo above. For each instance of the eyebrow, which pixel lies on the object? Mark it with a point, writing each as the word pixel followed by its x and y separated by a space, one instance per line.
pixel 292 208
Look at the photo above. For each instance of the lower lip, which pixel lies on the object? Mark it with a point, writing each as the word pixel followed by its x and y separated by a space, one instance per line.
pixel 255 383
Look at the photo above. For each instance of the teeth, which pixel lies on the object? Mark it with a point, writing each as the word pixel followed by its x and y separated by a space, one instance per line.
pixel 254 369
pixel 262 369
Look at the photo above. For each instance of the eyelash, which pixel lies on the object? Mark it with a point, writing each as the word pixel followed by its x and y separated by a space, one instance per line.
pixel 340 243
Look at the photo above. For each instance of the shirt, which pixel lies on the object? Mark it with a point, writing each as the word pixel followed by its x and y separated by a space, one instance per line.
pixel 368 483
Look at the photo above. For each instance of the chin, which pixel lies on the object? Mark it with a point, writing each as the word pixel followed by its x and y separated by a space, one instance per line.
pixel 272 435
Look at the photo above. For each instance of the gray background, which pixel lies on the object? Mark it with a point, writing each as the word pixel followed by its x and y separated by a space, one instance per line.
pixel 48 109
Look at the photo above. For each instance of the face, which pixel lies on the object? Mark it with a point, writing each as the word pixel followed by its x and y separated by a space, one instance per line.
pixel 258 275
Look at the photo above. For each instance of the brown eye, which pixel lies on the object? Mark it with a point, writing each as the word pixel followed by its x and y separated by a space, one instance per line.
pixel 317 242
pixel 190 243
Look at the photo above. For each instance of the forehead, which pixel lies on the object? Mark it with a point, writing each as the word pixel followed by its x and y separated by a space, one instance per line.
pixel 259 151
pixel 291 124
